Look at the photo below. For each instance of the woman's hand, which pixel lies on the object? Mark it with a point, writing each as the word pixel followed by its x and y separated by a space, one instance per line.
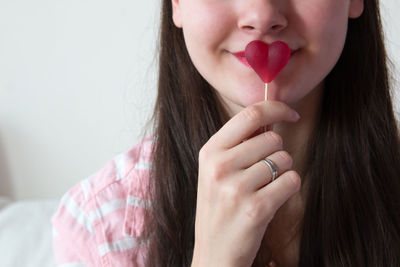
pixel 235 199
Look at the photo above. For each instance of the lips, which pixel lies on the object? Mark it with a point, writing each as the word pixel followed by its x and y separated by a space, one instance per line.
pixel 241 57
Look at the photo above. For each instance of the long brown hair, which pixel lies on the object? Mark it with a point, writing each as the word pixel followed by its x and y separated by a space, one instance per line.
pixel 352 212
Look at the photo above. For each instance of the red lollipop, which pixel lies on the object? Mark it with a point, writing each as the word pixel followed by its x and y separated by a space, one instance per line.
pixel 267 60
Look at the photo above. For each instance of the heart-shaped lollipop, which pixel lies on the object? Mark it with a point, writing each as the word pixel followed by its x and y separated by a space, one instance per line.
pixel 267 60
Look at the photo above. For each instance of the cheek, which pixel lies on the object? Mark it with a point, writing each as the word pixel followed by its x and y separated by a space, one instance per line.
pixel 326 28
pixel 324 23
pixel 206 27
pixel 205 23
pixel 323 26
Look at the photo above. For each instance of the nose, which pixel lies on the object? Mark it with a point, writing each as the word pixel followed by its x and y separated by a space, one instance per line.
pixel 262 16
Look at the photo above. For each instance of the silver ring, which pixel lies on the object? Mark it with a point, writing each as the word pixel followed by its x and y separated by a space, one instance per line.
pixel 272 167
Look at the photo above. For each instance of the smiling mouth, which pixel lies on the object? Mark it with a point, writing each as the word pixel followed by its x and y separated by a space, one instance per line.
pixel 242 58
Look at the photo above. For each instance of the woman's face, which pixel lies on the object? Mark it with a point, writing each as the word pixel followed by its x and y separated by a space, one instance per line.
pixel 216 29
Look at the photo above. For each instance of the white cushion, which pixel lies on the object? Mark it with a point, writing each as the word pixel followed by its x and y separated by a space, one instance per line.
pixel 3 202
pixel 26 233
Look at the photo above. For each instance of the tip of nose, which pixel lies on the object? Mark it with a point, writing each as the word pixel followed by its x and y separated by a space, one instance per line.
pixel 262 20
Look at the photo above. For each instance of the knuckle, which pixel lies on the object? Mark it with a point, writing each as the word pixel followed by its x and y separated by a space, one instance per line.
pixel 283 106
pixel 203 154
pixel 285 158
pixel 217 165
pixel 275 138
pixel 220 168
pixel 294 179
pixel 284 109
pixel 217 172
pixel 253 114
pixel 254 209
pixel 259 210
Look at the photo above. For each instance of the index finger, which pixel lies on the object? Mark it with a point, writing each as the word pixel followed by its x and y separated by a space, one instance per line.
pixel 251 118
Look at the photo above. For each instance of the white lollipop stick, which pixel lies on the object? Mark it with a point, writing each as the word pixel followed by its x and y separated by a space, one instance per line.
pixel 267 127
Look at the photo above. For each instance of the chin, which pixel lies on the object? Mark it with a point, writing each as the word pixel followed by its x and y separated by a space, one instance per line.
pixel 252 98
pixel 289 98
pixel 243 96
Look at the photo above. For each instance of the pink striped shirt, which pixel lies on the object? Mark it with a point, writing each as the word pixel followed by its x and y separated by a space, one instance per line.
pixel 99 219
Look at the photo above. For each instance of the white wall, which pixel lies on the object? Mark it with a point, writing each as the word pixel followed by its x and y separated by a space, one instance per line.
pixel 77 83
pixel 390 10
pixel 76 86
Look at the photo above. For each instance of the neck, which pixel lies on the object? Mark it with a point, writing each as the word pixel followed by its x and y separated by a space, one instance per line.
pixel 295 136
pixel 281 240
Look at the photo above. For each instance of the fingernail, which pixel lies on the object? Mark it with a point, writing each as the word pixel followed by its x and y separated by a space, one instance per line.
pixel 295 115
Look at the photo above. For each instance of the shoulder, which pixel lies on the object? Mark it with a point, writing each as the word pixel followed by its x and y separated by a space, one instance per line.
pixel 102 215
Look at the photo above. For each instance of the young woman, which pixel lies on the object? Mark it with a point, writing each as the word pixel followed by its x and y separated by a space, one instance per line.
pixel 198 191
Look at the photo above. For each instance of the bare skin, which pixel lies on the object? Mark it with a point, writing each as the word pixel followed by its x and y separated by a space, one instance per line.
pixel 282 238
pixel 230 174
pixel 229 233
